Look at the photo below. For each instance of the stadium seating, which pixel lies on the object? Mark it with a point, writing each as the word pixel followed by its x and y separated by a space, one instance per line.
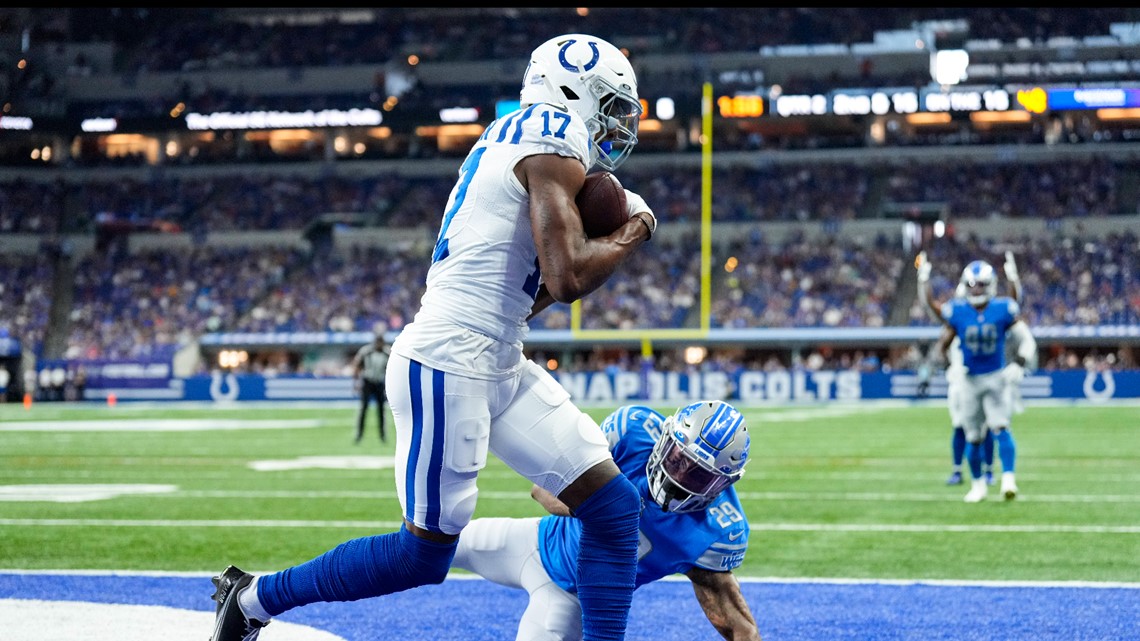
pixel 119 308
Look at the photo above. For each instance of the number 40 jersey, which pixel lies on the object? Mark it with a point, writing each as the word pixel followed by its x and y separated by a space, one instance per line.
pixel 981 331
pixel 670 543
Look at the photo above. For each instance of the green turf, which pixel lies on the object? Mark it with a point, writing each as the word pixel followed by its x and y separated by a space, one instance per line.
pixel 855 494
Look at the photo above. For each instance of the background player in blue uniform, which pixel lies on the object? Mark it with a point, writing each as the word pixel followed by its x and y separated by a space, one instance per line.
pixel 692 522
pixel 955 371
pixel 981 322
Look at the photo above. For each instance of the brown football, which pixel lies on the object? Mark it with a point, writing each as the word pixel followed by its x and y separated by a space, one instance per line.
pixel 601 202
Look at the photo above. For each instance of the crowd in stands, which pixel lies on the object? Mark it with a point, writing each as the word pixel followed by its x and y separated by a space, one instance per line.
pixel 355 291
pixel 1053 190
pixel 30 207
pixel 187 39
pixel 808 192
pixel 147 304
pixel 657 289
pixel 136 305
pixel 803 283
pixel 1067 280
pixel 126 304
pixel 1086 187
pixel 25 296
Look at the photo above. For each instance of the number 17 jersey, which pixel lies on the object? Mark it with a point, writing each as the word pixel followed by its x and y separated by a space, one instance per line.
pixel 484 273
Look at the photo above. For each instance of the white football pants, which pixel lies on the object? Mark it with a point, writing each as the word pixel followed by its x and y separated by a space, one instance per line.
pixel 986 403
pixel 505 551
pixel 446 423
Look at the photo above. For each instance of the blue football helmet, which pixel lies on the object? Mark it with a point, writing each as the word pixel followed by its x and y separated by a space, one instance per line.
pixel 592 78
pixel 701 451
pixel 980 282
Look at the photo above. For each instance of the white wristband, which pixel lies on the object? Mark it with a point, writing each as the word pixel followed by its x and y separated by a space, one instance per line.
pixel 636 205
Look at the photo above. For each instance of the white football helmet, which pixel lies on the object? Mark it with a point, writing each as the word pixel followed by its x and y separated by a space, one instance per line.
pixel 592 78
pixel 980 282
pixel 701 451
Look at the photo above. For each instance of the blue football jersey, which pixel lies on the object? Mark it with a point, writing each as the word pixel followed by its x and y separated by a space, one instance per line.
pixel 981 332
pixel 670 543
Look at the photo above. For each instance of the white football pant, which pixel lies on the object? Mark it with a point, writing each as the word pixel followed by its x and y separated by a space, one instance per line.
pixel 986 403
pixel 446 423
pixel 505 551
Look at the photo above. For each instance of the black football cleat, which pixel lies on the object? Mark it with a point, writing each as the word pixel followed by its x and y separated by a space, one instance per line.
pixel 230 623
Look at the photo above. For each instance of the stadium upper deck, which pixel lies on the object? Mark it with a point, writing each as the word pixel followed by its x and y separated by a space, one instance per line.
pixel 66 187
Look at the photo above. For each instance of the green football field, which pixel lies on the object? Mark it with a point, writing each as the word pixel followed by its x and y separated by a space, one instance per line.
pixel 831 491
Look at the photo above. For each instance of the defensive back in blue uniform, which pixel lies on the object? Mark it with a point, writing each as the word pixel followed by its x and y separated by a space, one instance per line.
pixel 982 332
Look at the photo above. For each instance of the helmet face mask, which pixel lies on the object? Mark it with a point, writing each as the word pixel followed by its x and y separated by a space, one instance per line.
pixel 978 283
pixel 592 78
pixel 701 452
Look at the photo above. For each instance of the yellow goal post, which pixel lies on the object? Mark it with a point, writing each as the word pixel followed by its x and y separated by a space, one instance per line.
pixel 647 335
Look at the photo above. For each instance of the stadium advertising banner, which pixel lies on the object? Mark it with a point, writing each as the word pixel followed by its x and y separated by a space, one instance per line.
pixel 617 387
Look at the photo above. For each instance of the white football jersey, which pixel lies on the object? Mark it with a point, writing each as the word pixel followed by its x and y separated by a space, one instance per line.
pixel 484 274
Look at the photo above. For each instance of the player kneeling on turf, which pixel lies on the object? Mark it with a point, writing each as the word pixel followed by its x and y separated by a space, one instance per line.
pixel 683 466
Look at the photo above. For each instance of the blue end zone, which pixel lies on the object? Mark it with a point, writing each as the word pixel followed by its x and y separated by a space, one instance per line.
pixel 475 610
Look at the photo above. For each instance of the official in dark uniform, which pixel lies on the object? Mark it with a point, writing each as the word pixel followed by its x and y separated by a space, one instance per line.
pixel 368 368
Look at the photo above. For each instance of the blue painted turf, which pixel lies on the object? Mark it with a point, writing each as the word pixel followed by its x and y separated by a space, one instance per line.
pixel 475 610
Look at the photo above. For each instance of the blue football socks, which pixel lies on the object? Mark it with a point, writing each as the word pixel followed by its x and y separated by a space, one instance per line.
pixel 607 559
pixel 1007 450
pixel 974 458
pixel 988 445
pixel 361 568
pixel 958 446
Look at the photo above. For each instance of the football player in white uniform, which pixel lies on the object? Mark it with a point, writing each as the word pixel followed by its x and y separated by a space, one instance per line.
pixel 511 243
pixel 684 467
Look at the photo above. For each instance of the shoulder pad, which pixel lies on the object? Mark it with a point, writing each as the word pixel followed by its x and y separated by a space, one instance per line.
pixel 948 309
pixel 543 128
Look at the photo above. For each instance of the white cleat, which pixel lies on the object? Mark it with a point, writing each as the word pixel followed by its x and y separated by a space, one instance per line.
pixel 1008 486
pixel 978 491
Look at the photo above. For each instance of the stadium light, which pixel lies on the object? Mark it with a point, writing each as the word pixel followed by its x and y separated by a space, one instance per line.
pixel 695 354
pixel 948 67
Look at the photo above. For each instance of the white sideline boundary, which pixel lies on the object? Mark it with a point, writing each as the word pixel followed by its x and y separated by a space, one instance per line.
pixel 893 528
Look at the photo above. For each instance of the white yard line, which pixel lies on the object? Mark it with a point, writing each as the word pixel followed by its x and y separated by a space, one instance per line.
pixel 752 496
pixel 494 495
pixel 770 527
pixel 159 425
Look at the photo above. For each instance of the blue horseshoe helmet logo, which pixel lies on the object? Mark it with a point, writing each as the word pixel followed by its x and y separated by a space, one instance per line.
pixel 586 67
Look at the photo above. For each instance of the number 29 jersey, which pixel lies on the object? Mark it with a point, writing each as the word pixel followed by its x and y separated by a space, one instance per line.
pixel 981 332
pixel 484 273
pixel 670 543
